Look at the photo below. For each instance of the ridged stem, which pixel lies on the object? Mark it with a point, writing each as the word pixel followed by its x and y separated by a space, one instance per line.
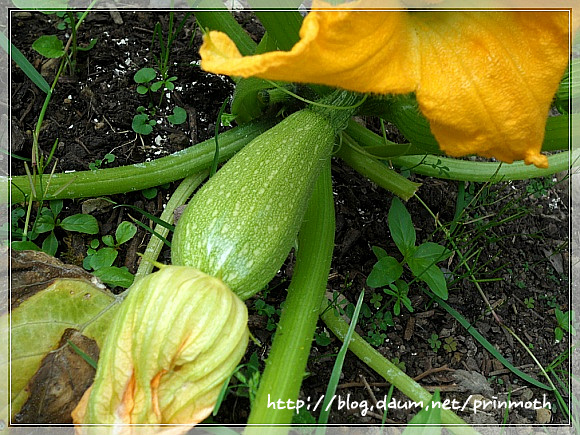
pixel 463 170
pixel 286 362
pixel 141 175
pixel 376 171
pixel 481 172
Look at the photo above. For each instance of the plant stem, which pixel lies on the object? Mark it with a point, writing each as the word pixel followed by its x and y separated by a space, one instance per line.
pixel 287 360
pixel 143 175
pixel 376 171
pixel 480 172
pixel 179 197
pixel 412 158
pixel 389 371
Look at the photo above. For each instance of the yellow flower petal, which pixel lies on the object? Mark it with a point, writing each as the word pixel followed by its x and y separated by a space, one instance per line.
pixel 485 80
pixel 488 78
pixel 336 48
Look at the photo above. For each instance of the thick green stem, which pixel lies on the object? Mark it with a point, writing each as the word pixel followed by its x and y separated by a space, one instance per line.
pixel 481 172
pixel 286 362
pixel 179 197
pixel 389 371
pixel 461 170
pixel 376 171
pixel 141 175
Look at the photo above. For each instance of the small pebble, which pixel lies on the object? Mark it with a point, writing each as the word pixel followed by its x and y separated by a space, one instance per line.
pixel 543 416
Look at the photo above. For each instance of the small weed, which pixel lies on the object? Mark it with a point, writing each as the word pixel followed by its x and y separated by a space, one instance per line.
pixel 564 320
pixel 450 345
pixel 52 47
pixel 152 191
pixel 398 290
pixel 520 284
pixel 100 259
pixel 422 261
pixel 248 377
pixel 399 363
pixel 538 187
pixel 434 342
pixel 151 81
pixel 47 221
pixel 142 123
pixel 265 309
pixel 97 164
pixel 322 338
pixel 529 302
pixel 551 301
pixel 376 300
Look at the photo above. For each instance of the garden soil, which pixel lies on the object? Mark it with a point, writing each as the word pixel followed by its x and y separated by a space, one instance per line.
pixel 516 234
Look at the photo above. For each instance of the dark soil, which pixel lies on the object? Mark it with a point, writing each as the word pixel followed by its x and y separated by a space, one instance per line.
pixel 524 257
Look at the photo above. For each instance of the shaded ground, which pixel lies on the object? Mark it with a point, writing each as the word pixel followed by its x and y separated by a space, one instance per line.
pixel 523 258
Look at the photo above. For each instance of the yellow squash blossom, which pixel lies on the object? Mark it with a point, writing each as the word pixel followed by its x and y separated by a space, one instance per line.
pixel 484 79
pixel 176 339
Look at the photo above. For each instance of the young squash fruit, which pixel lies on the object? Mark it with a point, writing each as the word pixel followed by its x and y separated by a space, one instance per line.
pixel 242 223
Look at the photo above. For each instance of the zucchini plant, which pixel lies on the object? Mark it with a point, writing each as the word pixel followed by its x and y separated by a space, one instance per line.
pixel 239 228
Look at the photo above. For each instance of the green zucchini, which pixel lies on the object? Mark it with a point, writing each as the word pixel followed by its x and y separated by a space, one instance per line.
pixel 243 222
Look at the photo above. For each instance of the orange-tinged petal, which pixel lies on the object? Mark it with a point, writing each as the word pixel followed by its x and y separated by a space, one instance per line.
pixel 338 48
pixel 177 337
pixel 488 78
pixel 485 80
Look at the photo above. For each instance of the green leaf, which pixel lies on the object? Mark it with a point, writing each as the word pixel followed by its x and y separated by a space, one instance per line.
pixel 108 240
pixel 322 339
pixel 49 46
pixel 401 227
pixel 179 116
pixel 384 272
pixel 140 124
pixel 81 223
pixel 50 244
pixel 432 252
pixel 87 261
pixel 45 223
pixel 150 193
pixel 379 252
pixel 104 257
pixel 115 276
pixel 144 75
pixel 125 232
pixel 24 245
pixel 157 85
pixel 142 90
pixel 56 206
pixel 426 271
